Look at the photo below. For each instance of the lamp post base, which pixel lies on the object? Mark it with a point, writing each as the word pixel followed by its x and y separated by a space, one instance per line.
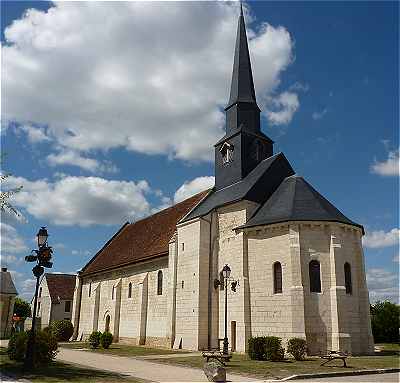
pixel 225 350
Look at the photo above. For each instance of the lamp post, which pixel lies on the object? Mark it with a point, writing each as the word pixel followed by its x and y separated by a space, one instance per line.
pixel 42 257
pixel 226 272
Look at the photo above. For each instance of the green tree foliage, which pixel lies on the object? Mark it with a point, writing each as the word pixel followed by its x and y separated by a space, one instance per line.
pixel 62 329
pixel 5 195
pixel 22 308
pixel 385 321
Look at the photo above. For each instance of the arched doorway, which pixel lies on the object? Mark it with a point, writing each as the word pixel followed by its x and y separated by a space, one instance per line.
pixel 107 326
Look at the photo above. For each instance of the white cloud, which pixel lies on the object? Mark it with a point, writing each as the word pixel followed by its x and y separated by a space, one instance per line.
pixel 380 238
pixel 390 167
pixel 11 241
pixel 193 187
pixel 383 285
pixel 282 108
pixel 35 134
pixel 319 115
pixel 300 87
pixel 7 260
pixel 136 81
pixel 82 201
pixel 74 158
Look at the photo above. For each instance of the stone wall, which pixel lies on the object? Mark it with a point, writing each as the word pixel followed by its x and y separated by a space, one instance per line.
pixel 138 319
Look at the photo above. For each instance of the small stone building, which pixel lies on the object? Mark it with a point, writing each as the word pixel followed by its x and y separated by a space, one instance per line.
pixel 297 259
pixel 56 294
pixel 8 293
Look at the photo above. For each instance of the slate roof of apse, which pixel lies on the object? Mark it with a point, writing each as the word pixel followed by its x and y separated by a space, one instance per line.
pixel 60 286
pixel 257 186
pixel 141 240
pixel 6 284
pixel 296 200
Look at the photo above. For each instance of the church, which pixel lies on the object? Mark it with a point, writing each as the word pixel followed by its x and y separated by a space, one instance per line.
pixel 296 261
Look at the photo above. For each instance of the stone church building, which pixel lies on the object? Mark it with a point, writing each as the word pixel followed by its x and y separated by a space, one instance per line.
pixel 298 260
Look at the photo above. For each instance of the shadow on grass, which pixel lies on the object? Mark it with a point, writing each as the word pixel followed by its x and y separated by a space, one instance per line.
pixel 57 372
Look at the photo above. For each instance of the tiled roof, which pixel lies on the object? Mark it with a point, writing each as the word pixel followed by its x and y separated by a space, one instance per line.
pixel 141 240
pixel 61 286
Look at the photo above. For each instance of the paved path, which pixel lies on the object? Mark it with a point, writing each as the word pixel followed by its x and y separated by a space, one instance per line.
pixel 139 368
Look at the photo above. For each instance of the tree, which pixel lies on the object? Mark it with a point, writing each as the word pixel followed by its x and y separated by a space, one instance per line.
pixel 5 195
pixel 22 308
pixel 385 321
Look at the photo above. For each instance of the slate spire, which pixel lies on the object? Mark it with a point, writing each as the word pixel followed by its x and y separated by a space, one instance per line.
pixel 242 85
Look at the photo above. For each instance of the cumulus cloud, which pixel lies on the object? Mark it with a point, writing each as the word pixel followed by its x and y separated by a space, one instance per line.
pixel 11 241
pixel 34 134
pixel 82 201
pixel 380 238
pixel 389 167
pixel 319 115
pixel 193 187
pixel 135 81
pixel 74 158
pixel 383 285
pixel 282 108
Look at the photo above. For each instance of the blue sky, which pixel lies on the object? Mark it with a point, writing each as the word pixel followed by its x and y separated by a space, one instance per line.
pixel 110 112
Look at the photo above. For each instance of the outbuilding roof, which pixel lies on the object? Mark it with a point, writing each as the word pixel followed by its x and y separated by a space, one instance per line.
pixel 6 283
pixel 142 240
pixel 61 286
pixel 296 200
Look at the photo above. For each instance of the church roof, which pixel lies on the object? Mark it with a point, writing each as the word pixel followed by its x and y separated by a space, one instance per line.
pixel 142 240
pixel 257 186
pixel 6 283
pixel 296 200
pixel 61 286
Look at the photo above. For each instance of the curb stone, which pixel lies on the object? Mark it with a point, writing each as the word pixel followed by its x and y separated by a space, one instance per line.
pixel 337 374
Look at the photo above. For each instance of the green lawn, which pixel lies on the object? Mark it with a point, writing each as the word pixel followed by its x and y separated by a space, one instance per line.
pixel 395 347
pixel 241 364
pixel 120 349
pixel 60 372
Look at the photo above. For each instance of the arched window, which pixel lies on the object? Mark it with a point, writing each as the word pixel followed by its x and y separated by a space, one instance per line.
pixel 277 278
pixel 90 289
pixel 40 292
pixel 130 290
pixel 315 276
pixel 347 278
pixel 159 282
pixel 113 292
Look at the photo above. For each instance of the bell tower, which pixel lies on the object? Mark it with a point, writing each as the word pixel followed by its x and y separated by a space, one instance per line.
pixel 244 146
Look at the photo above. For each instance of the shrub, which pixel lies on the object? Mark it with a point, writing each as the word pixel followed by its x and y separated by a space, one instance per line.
pixel 297 347
pixel 94 339
pixel 266 348
pixel 106 339
pixel 62 329
pixel 16 349
pixel 44 350
pixel 273 348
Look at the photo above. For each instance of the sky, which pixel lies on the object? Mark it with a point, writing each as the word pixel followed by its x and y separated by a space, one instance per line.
pixel 110 111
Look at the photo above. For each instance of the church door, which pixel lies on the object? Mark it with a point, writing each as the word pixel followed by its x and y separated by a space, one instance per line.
pixel 233 336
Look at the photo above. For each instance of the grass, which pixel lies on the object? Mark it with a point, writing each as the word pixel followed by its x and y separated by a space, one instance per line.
pixel 60 372
pixel 389 347
pixel 119 349
pixel 241 364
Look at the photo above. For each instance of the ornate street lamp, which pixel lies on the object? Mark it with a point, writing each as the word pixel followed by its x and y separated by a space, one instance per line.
pixel 226 272
pixel 42 257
